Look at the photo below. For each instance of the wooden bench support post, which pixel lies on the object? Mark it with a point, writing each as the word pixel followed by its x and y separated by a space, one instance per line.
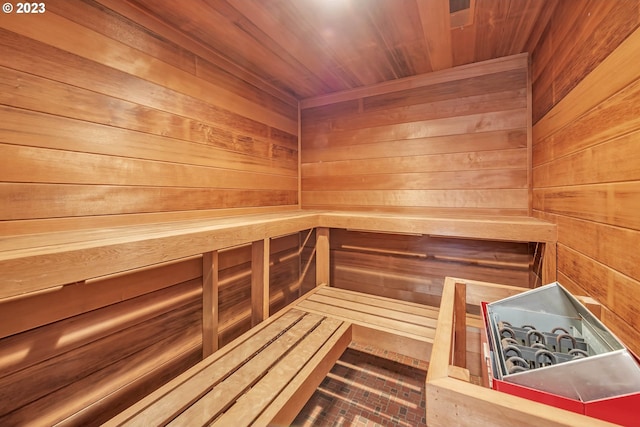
pixel 460 326
pixel 549 260
pixel 322 256
pixel 209 303
pixel 260 252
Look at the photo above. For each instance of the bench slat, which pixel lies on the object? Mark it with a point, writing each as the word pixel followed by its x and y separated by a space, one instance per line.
pixel 251 404
pixel 290 402
pixel 382 302
pixel 382 312
pixel 225 393
pixel 397 327
pixel 161 407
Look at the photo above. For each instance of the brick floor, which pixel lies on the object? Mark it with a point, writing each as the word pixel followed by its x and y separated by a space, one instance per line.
pixel 369 387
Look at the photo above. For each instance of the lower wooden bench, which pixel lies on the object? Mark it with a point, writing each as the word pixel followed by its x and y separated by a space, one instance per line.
pixel 266 376
pixel 394 325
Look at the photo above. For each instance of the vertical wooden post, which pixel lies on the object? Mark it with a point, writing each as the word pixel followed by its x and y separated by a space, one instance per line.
pixel 323 270
pixel 460 326
pixel 209 303
pixel 260 252
pixel 549 266
pixel 300 249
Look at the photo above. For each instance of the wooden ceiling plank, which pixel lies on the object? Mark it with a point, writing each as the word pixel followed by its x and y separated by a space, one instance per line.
pixel 436 27
pixel 299 49
pixel 347 31
pixel 490 20
pixel 271 54
pixel 527 19
pixel 463 42
pixel 278 29
pixel 408 36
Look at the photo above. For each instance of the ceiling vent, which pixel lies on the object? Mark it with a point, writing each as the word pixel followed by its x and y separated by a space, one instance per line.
pixel 458 5
pixel 461 12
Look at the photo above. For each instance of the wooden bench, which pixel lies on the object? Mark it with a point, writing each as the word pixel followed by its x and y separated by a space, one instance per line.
pixel 67 276
pixel 389 324
pixel 266 376
pixel 36 262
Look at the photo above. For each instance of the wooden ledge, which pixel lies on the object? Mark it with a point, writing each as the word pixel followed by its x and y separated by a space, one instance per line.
pixel 520 229
pixel 36 262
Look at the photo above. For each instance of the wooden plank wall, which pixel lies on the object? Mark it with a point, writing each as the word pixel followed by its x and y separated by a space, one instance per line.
pixel 107 118
pixel 413 268
pixel 112 340
pixel 235 284
pixel 586 153
pixel 450 142
pixel 97 345
pixel 454 142
pixel 106 122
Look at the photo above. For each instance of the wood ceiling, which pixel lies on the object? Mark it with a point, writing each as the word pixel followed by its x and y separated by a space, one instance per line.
pixel 309 48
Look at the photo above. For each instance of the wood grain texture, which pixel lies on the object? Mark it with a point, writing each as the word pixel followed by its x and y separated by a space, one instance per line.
pixel 92 97
pixel 575 42
pixel 308 48
pixel 75 299
pixel 449 143
pixel 210 302
pixel 88 345
pixel 586 162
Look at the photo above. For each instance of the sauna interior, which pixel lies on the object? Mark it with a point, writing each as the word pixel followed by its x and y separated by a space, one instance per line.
pixel 173 174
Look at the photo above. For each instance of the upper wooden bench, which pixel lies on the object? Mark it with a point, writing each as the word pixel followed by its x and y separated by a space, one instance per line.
pixel 266 376
pixel 35 262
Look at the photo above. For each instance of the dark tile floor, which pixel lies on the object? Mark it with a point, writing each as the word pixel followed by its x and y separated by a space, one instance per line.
pixel 369 387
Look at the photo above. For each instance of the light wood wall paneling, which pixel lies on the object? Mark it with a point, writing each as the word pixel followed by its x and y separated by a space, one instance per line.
pixel 586 162
pixel 86 43
pixel 614 117
pixel 414 267
pixel 134 13
pixel 578 40
pixel 126 381
pixel 53 201
pixel 147 111
pixel 35 382
pixel 458 141
pixel 74 299
pixel 78 331
pixel 284 272
pixel 450 144
pixel 84 347
pixel 446 162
